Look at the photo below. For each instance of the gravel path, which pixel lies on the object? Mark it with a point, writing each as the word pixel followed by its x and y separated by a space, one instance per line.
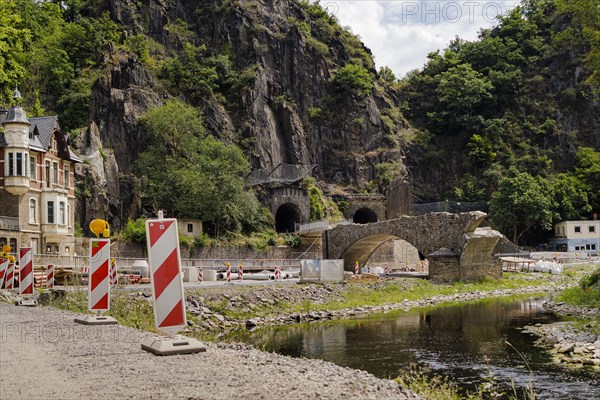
pixel 45 355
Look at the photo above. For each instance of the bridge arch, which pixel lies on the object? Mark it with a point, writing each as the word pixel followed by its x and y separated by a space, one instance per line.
pixel 428 233
pixel 286 218
pixel 364 215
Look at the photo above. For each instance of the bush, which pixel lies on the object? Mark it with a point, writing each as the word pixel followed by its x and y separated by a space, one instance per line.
pixel 591 281
pixel 135 231
pixel 291 240
pixel 352 79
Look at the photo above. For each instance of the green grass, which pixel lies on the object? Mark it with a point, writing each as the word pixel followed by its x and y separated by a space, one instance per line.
pixel 134 313
pixel 581 297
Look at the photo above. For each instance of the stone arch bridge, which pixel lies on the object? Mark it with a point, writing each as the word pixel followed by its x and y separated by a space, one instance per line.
pixel 457 249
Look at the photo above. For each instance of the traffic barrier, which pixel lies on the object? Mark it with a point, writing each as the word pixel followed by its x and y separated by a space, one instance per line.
pixel 277 273
pixel 165 265
pixel 98 279
pixel 167 289
pixel 114 280
pixel 241 273
pixel 228 273
pixel 25 271
pixel 3 271
pixel 50 277
pixel 10 276
pixel 356 270
pixel 200 276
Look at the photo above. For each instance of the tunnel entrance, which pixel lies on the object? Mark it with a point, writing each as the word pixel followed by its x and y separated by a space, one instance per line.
pixel 286 217
pixel 364 216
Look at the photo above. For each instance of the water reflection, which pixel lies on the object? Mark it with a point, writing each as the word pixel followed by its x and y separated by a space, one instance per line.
pixel 464 342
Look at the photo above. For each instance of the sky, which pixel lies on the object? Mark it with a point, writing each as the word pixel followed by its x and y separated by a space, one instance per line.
pixel 401 33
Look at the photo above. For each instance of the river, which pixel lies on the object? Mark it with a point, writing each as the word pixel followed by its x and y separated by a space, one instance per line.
pixel 466 343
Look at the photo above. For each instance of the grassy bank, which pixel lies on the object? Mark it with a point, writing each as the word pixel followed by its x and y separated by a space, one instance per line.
pixel 587 294
pixel 134 310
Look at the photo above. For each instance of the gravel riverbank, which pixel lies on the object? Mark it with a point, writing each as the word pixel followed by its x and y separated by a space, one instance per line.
pixel 570 342
pixel 45 355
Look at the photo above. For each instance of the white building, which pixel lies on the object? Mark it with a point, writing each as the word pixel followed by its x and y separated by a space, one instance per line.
pixel 577 236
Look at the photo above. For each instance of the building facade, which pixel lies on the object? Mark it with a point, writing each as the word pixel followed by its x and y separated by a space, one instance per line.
pixel 37 188
pixel 576 236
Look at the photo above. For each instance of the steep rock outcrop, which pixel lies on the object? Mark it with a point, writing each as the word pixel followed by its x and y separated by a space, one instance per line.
pixel 271 119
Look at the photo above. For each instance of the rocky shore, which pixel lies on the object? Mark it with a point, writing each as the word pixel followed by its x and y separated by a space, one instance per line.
pixel 575 343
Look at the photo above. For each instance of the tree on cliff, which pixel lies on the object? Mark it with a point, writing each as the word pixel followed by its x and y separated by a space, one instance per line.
pixel 191 174
pixel 521 203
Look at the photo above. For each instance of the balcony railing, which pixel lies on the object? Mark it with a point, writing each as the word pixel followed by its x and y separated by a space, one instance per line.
pixel 9 223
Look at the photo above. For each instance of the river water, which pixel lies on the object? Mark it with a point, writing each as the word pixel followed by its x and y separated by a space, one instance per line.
pixel 463 342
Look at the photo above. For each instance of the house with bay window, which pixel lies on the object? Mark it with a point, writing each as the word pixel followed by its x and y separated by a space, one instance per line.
pixel 37 196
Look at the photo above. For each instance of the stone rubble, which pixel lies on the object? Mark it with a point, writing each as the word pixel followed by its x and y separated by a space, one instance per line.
pixel 570 343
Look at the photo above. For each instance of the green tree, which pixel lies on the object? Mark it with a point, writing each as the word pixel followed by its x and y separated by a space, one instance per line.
pixel 570 198
pixel 13 39
pixel 520 203
pixel 587 171
pixel 191 174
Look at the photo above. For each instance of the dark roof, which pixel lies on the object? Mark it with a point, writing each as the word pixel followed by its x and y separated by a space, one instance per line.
pixel 44 127
pixel 41 130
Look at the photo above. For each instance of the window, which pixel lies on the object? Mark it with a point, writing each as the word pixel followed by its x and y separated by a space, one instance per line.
pixel 50 212
pixel 190 228
pixel 61 213
pixel 32 168
pixel 48 173
pixel 577 229
pixel 32 211
pixel 34 245
pixel 591 228
pixel 55 172
pixel 11 164
pixel 67 177
pixel 69 215
pixel 20 160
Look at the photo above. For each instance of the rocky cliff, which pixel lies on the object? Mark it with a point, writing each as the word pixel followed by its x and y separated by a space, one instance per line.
pixel 282 108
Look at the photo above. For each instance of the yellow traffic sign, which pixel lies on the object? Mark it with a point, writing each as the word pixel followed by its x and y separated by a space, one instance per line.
pixel 6 248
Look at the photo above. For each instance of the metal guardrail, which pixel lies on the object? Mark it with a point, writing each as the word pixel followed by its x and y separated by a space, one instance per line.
pixel 123 263
pixel 312 226
pixel 9 223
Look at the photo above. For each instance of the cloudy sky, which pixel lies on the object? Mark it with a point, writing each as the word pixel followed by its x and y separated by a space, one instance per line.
pixel 401 33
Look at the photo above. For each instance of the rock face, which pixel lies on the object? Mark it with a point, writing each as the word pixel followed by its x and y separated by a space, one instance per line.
pixel 287 113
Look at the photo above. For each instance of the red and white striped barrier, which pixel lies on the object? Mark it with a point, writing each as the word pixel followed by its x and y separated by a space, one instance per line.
pixel 50 277
pixel 98 280
pixel 3 271
pixel 228 273
pixel 200 275
pixel 356 270
pixel 277 273
pixel 25 271
pixel 241 272
pixel 10 276
pixel 113 273
pixel 165 273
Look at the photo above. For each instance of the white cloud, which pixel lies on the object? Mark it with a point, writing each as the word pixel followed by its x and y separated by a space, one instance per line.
pixel 401 33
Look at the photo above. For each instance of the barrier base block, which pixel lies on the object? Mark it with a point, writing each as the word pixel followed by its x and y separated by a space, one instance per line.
pixel 167 346
pixel 96 320
pixel 26 303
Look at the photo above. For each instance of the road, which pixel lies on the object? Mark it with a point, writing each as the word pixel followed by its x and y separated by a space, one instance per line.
pixel 45 355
